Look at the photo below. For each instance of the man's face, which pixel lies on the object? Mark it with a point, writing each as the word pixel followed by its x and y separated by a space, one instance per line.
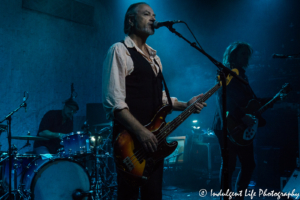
pixel 144 19
pixel 69 111
pixel 242 56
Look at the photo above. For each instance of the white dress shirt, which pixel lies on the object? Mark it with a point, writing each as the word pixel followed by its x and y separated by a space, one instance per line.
pixel 117 65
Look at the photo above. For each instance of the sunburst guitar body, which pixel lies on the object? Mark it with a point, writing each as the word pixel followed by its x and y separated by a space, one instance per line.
pixel 132 161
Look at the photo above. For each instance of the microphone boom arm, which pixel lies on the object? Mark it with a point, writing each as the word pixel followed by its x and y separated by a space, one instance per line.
pixel 214 61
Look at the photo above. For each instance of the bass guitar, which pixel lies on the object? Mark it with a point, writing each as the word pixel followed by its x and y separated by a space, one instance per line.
pixel 132 161
pixel 242 135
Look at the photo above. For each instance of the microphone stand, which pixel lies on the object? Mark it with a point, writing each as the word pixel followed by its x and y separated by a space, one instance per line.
pixel 223 72
pixel 9 119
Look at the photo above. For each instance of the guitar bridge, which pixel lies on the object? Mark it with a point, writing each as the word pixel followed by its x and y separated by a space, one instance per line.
pixel 128 163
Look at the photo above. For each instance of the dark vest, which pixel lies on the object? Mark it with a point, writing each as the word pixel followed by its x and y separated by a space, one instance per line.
pixel 143 89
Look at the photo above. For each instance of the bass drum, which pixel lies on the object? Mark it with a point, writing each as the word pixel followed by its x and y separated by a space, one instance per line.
pixel 55 179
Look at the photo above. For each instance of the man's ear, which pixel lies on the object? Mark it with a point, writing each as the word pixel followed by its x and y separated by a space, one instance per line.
pixel 131 20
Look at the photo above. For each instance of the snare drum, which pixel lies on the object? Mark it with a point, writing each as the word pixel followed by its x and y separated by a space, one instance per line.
pixel 56 178
pixel 76 144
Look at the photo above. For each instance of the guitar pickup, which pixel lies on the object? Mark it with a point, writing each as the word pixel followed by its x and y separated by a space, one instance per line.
pixel 128 163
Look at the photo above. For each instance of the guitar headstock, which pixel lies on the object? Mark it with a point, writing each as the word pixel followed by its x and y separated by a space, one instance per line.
pixel 229 77
pixel 285 89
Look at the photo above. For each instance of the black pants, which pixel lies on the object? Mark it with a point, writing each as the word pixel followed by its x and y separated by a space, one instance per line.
pixel 152 190
pixel 246 158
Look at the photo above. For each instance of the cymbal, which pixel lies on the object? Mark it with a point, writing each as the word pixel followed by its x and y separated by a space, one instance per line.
pixel 28 137
pixel 104 124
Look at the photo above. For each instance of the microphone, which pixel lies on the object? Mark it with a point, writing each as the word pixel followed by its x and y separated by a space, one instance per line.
pixel 279 56
pixel 157 24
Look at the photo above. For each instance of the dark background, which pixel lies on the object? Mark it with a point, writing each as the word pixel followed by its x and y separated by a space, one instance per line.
pixel 46 45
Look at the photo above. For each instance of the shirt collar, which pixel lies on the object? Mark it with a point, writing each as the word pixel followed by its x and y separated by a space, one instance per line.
pixel 130 44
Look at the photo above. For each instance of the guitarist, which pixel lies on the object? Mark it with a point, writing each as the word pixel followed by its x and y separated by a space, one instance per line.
pixel 132 91
pixel 237 55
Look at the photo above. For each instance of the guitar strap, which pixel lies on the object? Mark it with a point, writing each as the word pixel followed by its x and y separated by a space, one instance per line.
pixel 165 85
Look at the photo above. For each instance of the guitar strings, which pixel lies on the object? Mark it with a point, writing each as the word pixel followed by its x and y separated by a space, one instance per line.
pixel 184 115
pixel 161 136
pixel 141 153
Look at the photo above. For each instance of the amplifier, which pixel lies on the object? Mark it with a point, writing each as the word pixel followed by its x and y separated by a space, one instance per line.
pixel 205 159
pixel 179 155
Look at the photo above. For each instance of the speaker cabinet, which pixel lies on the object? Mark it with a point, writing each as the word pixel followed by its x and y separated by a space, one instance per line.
pixel 205 159
pixel 96 116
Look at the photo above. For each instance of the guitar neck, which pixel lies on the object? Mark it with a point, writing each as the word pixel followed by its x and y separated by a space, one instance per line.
pixel 266 106
pixel 286 88
pixel 170 127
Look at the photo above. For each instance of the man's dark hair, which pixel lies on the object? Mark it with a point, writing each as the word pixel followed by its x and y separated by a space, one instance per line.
pixel 230 53
pixel 131 13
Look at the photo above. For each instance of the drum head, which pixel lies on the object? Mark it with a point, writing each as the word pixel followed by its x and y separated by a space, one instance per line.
pixel 58 180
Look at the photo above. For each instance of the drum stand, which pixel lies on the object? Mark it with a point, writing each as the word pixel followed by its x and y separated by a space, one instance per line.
pixel 104 179
pixel 16 192
pixel 10 156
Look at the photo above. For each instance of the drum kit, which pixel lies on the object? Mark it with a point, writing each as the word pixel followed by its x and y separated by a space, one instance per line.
pixel 83 169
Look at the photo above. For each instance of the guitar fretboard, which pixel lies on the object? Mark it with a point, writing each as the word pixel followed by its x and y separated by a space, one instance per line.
pixel 167 130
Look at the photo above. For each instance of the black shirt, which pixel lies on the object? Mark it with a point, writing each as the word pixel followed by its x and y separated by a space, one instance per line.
pixel 238 96
pixel 52 121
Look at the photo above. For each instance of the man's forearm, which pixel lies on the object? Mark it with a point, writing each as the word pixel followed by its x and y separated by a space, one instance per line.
pixel 147 138
pixel 179 105
pixel 129 121
pixel 50 134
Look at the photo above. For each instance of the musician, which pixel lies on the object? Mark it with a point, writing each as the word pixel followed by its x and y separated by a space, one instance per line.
pixel 237 56
pixel 132 91
pixel 54 125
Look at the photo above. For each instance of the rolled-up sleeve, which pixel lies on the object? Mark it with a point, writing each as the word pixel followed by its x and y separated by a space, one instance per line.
pixel 113 81
pixel 165 98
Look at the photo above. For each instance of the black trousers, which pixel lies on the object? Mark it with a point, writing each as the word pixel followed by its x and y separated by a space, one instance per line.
pixel 246 158
pixel 152 190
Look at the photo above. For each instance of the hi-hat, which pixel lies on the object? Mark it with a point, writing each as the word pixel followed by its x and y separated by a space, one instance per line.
pixel 28 137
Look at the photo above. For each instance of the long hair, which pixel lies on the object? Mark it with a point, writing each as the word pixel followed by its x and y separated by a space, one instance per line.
pixel 229 56
pixel 131 12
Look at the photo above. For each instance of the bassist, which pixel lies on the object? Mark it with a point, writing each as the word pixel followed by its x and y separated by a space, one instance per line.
pixel 132 91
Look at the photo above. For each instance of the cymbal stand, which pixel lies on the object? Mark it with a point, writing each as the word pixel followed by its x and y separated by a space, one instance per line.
pixel 108 138
pixel 16 192
pixel 97 181
pixel 103 188
pixel 27 143
pixel 105 185
pixel 8 119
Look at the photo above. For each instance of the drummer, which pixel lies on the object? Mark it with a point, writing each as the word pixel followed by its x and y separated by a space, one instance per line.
pixel 54 125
